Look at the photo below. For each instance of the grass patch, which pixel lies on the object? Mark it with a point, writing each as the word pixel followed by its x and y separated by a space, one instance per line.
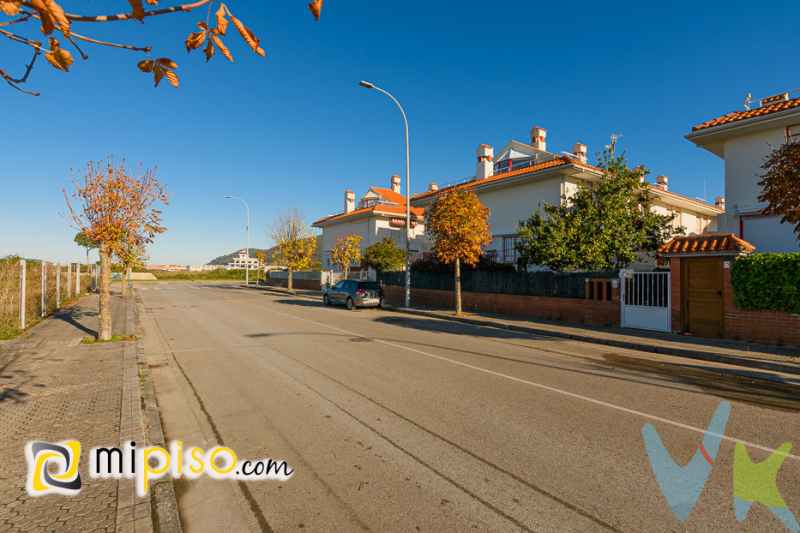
pixel 116 337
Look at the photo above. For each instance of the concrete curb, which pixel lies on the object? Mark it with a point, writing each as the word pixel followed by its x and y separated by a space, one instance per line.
pixel 687 353
pixel 163 504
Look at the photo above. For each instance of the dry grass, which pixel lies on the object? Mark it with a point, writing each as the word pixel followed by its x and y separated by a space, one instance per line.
pixel 34 310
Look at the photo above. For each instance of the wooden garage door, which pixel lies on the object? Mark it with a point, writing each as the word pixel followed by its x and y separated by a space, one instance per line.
pixel 701 291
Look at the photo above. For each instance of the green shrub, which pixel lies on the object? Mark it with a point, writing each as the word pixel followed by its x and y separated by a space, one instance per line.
pixel 767 281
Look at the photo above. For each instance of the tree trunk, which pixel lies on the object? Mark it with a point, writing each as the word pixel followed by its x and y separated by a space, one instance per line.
pixel 124 282
pixel 458 287
pixel 104 333
pixel 290 280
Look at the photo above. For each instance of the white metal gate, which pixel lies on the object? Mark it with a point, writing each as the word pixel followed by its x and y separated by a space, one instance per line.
pixel 645 298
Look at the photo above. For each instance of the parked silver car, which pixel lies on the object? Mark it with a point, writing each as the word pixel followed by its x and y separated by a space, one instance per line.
pixel 353 293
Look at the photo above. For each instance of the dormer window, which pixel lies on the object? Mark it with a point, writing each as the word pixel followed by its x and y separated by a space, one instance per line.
pixel 513 164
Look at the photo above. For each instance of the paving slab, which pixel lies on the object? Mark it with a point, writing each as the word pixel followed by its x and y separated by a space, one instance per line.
pixel 53 388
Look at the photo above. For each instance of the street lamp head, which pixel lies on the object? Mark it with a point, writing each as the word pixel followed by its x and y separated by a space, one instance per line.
pixel 366 84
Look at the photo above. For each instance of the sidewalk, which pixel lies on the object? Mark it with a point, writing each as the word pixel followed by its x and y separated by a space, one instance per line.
pixel 55 389
pixel 744 354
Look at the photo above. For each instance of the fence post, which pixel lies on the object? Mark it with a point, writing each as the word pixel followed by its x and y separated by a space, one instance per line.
pixel 69 279
pixel 58 285
pixel 77 278
pixel 22 293
pixel 44 287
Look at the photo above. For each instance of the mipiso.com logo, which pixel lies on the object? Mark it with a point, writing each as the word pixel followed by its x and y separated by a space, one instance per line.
pixel 143 464
pixel 64 457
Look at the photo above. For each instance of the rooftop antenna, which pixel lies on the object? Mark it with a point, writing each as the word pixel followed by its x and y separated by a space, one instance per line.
pixel 747 101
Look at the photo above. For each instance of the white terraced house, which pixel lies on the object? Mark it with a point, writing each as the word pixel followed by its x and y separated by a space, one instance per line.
pixel 380 212
pixel 513 184
pixel 743 140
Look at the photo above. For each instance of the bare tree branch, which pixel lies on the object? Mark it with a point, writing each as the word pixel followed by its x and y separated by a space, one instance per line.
pixel 115 45
pixel 128 16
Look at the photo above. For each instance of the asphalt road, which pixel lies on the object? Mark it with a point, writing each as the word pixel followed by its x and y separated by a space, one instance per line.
pixel 399 423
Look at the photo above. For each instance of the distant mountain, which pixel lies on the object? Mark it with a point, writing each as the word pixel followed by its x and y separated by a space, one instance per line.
pixel 225 259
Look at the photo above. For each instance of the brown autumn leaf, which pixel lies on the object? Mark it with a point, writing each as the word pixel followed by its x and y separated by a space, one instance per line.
pixel 209 50
pixel 202 25
pixel 153 2
pixel 58 57
pixel 158 73
pixel 222 22
pixel 246 34
pixel 168 63
pixel 195 40
pixel 222 48
pixel 10 7
pixel 50 13
pixel 315 7
pixel 171 77
pixel 146 65
pixel 138 10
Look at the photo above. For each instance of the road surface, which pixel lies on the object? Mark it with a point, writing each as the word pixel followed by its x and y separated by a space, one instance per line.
pixel 393 422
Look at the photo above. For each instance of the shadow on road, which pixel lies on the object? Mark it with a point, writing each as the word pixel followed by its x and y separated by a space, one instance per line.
pixel 704 376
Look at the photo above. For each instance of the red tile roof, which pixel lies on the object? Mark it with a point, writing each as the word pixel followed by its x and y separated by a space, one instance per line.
pixel 741 115
pixel 390 195
pixel 659 191
pixel 557 162
pixel 725 242
pixel 380 208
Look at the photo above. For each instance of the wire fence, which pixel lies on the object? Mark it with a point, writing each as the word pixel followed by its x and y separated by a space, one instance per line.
pixel 544 283
pixel 30 290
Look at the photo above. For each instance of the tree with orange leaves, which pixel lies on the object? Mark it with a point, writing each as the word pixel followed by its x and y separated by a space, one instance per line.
pixel 51 17
pixel 115 208
pixel 131 255
pixel 459 224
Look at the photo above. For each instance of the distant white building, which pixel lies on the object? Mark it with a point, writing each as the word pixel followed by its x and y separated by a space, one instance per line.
pixel 202 268
pixel 243 261
pixel 743 140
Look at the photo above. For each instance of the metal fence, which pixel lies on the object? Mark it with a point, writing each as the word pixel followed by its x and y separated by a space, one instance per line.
pixel 33 289
pixel 544 283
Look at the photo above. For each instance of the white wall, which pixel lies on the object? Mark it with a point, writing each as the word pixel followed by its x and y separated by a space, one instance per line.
pixel 744 155
pixel 508 204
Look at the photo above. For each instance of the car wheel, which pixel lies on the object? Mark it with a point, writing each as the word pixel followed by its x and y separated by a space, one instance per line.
pixel 349 303
pixel 326 300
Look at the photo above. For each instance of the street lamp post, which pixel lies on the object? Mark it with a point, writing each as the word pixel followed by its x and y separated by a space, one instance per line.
pixel 408 195
pixel 247 264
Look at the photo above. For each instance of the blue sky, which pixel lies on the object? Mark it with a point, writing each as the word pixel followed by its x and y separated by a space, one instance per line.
pixel 295 127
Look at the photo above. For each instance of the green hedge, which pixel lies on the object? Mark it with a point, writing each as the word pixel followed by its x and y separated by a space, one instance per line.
pixel 767 281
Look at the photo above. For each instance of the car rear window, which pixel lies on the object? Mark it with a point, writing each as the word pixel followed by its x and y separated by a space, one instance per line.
pixel 369 285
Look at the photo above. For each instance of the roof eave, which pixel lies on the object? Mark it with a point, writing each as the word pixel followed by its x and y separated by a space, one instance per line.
pixel 710 134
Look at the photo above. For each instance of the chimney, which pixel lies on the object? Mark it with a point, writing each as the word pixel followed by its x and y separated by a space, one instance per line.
pixel 661 181
pixel 579 151
pixel 349 201
pixel 483 169
pixel 719 201
pixel 538 136
pixel 396 183
pixel 433 187
pixel 638 169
